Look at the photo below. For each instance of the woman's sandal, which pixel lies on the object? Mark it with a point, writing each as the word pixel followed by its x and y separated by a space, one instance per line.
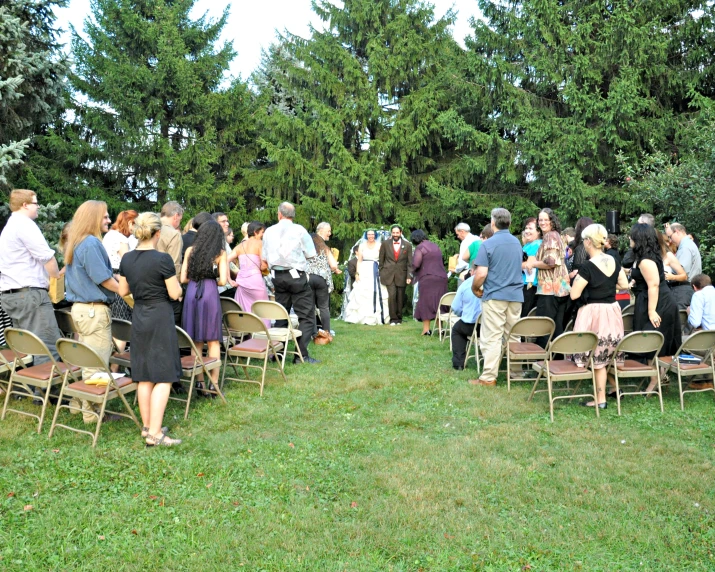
pixel 162 440
pixel 145 431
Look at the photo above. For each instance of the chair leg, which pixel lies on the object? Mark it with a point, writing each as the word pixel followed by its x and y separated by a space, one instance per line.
pixel 57 409
pixel 263 373
pixel 660 391
pixel 207 375
pixel 595 393
pixel 508 372
pixel 129 409
pixel 551 399
pixel 618 388
pixel 280 366
pixel 680 390
pixel 297 348
pixel 99 422
pixel 191 391
pixel 7 398
pixel 45 401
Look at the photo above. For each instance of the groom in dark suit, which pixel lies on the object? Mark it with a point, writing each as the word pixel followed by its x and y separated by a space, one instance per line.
pixel 395 264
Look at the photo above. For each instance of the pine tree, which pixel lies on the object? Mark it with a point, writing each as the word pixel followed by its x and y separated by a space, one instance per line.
pixel 348 122
pixel 156 104
pixel 568 86
pixel 32 72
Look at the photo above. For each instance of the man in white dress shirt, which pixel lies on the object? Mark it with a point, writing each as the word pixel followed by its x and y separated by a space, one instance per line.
pixel 464 233
pixel 286 246
pixel 26 264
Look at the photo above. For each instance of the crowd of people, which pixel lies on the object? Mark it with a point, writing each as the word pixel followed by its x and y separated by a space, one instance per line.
pixel 145 270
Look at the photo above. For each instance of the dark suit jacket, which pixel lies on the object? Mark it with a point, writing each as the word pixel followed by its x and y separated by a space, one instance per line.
pixel 395 271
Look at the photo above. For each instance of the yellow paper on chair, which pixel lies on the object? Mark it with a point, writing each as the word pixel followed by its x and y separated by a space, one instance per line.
pixel 57 289
pixel 101 379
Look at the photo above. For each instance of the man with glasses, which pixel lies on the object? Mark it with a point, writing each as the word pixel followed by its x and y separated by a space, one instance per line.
pixel 26 264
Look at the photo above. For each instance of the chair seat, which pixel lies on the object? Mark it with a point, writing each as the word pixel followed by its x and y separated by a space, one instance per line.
pixel 633 365
pixel 187 362
pixel 255 345
pixel 668 361
pixel 9 355
pixel 43 371
pixel 98 389
pixel 562 367
pixel 525 348
pixel 277 333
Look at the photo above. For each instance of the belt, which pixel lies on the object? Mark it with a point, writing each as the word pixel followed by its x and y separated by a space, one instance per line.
pixel 88 303
pixel 676 284
pixel 25 289
pixel 285 270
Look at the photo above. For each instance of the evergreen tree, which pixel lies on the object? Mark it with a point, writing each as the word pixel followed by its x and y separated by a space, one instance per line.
pixel 348 115
pixel 568 86
pixel 32 73
pixel 156 113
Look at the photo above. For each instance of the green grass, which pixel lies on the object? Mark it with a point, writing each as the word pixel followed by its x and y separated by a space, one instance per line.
pixel 380 458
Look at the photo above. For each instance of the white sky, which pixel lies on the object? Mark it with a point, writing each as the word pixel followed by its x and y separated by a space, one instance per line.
pixel 252 25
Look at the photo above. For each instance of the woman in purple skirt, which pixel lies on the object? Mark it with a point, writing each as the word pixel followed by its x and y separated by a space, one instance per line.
pixel 205 268
pixel 429 272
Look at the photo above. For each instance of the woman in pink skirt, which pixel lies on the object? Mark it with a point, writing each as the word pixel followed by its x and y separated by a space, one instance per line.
pixel 251 286
pixel 595 288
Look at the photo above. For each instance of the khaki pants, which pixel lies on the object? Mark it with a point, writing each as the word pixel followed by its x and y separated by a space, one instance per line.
pixel 96 332
pixel 498 317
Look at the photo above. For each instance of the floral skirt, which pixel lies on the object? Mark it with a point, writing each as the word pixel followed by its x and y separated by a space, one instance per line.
pixel 606 321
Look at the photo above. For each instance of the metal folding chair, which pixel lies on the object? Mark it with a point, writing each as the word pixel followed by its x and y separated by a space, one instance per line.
pixel 566 369
pixel 628 310
pixel 65 323
pixel 267 310
pixel 637 343
pixel 474 344
pixel 701 344
pixel 231 338
pixel 257 347
pixel 527 353
pixel 122 331
pixel 43 376
pixel 445 318
pixel 80 355
pixel 193 365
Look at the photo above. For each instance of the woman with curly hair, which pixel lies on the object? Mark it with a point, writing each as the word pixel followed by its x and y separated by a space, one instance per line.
pixel 655 306
pixel 205 268
pixel 552 287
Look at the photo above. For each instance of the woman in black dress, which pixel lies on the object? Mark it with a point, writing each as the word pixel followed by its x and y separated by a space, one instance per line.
pixel 655 307
pixel 151 278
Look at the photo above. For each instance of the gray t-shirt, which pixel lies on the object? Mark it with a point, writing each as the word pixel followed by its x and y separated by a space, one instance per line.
pixel 502 255
pixel 689 257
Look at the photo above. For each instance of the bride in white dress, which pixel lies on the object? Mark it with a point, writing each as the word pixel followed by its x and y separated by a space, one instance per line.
pixel 367 303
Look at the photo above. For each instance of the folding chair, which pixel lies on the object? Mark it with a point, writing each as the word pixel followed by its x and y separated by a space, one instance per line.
pixel 65 323
pixel 122 331
pixel 25 344
pixel 195 364
pixel 700 343
pixel 230 305
pixel 628 310
pixel 683 314
pixel 442 318
pixel 627 323
pixel 80 355
pixel 258 347
pixel 532 312
pixel 474 343
pixel 527 353
pixel 566 369
pixel 646 342
pixel 268 310
pixel 7 360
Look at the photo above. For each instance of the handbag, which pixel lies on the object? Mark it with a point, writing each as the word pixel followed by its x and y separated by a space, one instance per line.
pixel 322 338
pixel 57 289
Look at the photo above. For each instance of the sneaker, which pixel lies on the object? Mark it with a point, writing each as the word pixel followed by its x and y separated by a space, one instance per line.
pixel 393 323
pixel 332 332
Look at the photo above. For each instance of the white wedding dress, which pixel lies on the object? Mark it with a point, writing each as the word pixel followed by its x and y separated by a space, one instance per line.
pixel 368 298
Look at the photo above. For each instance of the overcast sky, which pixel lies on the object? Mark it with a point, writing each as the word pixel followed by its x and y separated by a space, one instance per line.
pixel 252 24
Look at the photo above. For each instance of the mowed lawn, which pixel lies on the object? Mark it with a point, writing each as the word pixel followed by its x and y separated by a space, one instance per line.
pixel 380 458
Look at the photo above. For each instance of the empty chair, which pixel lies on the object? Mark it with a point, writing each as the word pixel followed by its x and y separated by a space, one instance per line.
pixel 519 354
pixel 258 347
pixel 637 343
pixel 230 305
pixel 443 321
pixel 122 331
pixel 274 311
pixel 566 369
pixel 23 381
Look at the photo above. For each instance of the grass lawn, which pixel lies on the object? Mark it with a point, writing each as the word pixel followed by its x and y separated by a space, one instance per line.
pixel 380 458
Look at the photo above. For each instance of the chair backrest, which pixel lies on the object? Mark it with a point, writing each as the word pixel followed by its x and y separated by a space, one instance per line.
pixel 268 310
pixel 628 322
pixel 121 329
pixel 533 327
pixel 185 340
pixel 65 322
pixel 245 322
pixel 573 343
pixel 80 354
pixel 641 343
pixel 569 327
pixel 229 305
pixel 447 299
pixel 532 312
pixel 22 341
pixel 698 342
pixel 683 317
pixel 628 310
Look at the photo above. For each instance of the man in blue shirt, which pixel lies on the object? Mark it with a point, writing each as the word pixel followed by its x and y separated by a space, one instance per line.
pixel 467 306
pixel 701 315
pixel 499 273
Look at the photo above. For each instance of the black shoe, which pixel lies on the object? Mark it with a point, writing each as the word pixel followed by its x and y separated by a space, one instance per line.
pixel 613 395
pixel 603 405
pixel 178 388
pixel 37 402
pixel 458 367
pixel 427 333
pixel 305 360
